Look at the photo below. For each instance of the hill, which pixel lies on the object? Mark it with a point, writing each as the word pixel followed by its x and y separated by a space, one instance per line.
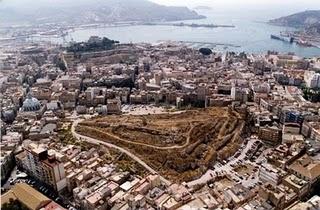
pixel 313 29
pixel 92 11
pixel 301 19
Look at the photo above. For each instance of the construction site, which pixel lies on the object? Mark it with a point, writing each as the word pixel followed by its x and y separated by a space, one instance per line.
pixel 180 146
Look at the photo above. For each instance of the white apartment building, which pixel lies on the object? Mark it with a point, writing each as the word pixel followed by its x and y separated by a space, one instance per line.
pixel 312 79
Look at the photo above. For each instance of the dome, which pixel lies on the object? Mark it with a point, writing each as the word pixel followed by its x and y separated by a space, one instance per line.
pixel 31 104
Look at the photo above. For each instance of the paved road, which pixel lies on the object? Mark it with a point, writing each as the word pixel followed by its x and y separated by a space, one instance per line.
pixel 99 142
pixel 219 168
pixel 13 175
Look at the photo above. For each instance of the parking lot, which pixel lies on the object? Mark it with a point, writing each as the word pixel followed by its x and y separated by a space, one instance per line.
pixel 143 109
pixel 247 155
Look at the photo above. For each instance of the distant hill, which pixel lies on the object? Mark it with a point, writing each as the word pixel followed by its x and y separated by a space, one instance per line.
pixel 313 29
pixel 301 19
pixel 93 11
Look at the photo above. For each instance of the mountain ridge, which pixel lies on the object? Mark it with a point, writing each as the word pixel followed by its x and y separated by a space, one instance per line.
pixel 300 19
pixel 96 11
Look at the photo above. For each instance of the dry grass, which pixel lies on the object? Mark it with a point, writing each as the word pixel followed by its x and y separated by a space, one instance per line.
pixel 180 146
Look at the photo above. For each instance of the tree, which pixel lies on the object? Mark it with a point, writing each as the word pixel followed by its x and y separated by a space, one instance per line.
pixel 205 51
pixel 13 205
pixel 59 63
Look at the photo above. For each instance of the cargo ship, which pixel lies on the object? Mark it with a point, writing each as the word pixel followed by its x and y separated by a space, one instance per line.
pixel 281 38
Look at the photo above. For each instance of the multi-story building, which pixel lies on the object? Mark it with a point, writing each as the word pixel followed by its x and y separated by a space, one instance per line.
pixel 312 79
pixel 41 93
pixel 114 106
pixel 202 91
pixel 285 154
pixel 273 195
pixel 70 82
pixel 239 94
pixel 7 163
pixel 67 98
pixel 271 135
pixel 39 163
pixel 288 115
pixel 270 173
pixel 311 204
pixel 306 168
pixel 300 186
pixel 311 129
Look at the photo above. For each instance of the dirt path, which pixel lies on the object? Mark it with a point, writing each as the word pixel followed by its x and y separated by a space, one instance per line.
pixel 131 155
pixel 143 144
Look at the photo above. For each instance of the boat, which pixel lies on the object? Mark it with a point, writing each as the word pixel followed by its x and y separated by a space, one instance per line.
pixel 281 38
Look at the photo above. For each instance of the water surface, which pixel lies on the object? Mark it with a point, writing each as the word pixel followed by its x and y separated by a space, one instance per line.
pixel 251 33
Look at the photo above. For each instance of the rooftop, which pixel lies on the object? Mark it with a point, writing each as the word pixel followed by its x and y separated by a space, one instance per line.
pixel 27 195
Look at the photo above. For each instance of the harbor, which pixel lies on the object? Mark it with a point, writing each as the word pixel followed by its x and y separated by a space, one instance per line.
pixel 211 45
pixel 299 38
pixel 244 35
pixel 192 25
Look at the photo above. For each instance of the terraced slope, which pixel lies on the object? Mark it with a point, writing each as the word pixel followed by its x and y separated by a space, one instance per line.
pixel 179 146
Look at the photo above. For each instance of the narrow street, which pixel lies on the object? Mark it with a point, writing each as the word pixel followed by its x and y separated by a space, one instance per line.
pixel 224 168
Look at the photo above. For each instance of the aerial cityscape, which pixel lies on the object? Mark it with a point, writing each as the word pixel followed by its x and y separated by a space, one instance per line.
pixel 160 104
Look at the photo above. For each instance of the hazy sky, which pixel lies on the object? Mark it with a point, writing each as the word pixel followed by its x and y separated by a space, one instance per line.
pixel 312 4
pixel 268 8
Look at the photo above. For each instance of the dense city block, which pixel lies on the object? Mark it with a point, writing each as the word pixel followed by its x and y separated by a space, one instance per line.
pixel 105 125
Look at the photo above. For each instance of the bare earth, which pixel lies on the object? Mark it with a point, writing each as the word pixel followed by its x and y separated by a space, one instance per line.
pixel 180 146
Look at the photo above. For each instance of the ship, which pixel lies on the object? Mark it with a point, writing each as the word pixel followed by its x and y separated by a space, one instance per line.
pixel 281 38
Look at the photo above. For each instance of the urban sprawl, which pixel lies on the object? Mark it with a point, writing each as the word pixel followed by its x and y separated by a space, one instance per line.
pixel 103 125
